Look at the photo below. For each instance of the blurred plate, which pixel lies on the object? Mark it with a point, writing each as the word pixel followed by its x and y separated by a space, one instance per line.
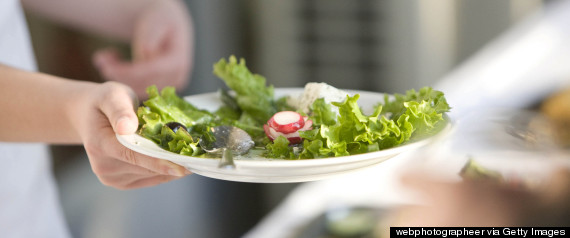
pixel 264 170
pixel 345 222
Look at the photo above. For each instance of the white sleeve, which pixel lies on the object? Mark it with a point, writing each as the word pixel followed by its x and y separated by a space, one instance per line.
pixel 15 46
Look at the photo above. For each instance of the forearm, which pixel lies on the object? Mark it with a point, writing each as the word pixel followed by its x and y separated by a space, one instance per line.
pixel 114 18
pixel 38 107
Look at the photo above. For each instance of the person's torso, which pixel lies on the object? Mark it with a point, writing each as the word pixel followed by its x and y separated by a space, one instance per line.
pixel 29 205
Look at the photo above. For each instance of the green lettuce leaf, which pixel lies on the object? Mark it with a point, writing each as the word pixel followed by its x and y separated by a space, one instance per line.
pixel 170 107
pixel 282 105
pixel 338 129
pixel 164 107
pixel 253 96
pixel 150 124
pixel 279 148
pixel 322 113
pixel 397 121
pixel 180 142
pixel 436 100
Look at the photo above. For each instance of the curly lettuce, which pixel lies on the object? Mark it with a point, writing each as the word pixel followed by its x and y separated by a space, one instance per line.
pixel 394 122
pixel 164 107
pixel 339 128
pixel 253 97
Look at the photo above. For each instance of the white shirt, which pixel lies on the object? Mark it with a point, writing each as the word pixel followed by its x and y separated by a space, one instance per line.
pixel 29 204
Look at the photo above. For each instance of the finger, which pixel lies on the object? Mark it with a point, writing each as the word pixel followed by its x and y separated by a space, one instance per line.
pixel 115 69
pixel 115 168
pixel 127 168
pixel 111 66
pixel 131 181
pixel 159 71
pixel 118 106
pixel 168 69
pixel 102 56
pixel 166 63
pixel 149 41
pixel 154 54
pixel 111 167
pixel 152 181
pixel 105 60
pixel 153 164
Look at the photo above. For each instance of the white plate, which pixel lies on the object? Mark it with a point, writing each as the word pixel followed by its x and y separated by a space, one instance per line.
pixel 263 170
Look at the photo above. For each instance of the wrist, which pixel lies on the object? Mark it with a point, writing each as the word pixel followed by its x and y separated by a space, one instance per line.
pixel 78 105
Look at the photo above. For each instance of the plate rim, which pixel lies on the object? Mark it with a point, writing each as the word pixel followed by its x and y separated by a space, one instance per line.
pixel 269 163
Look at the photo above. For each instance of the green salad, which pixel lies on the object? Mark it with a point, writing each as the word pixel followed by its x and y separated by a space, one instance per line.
pixel 338 128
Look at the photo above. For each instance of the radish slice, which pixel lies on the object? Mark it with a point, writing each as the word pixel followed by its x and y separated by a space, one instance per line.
pixel 308 126
pixel 293 138
pixel 270 132
pixel 286 122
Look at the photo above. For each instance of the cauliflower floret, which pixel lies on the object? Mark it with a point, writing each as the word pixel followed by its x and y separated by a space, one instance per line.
pixel 314 91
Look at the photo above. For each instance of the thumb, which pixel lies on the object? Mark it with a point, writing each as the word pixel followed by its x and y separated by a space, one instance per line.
pixel 126 125
pixel 118 106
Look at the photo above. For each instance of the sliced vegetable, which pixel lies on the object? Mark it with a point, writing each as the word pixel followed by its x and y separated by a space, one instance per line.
pixel 286 122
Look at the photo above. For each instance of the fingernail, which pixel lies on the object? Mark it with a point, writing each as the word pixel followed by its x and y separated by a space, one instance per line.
pixel 175 172
pixel 123 125
pixel 121 120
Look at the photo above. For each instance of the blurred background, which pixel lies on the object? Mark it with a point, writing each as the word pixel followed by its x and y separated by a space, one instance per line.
pixel 386 46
